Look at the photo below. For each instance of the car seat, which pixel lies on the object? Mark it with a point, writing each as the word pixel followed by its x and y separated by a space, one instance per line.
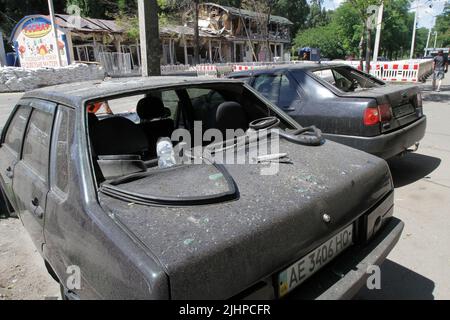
pixel 231 115
pixel 155 120
pixel 119 147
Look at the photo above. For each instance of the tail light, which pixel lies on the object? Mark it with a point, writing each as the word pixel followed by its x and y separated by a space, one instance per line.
pixel 385 112
pixel 375 115
pixel 371 116
pixel 419 100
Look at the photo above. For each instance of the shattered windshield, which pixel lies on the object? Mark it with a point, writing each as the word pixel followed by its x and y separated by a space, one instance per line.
pixel 163 147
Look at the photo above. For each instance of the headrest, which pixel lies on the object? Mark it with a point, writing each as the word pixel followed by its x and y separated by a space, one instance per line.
pixel 231 115
pixel 118 136
pixel 92 119
pixel 150 108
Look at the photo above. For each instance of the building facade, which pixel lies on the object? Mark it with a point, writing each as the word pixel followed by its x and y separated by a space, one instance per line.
pixel 226 35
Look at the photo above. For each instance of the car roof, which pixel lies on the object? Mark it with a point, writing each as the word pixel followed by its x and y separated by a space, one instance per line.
pixel 75 94
pixel 308 66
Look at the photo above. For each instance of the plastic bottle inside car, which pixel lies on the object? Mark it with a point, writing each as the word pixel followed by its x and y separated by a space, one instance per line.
pixel 165 153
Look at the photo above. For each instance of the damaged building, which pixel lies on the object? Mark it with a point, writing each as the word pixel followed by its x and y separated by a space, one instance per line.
pixel 238 35
pixel 226 35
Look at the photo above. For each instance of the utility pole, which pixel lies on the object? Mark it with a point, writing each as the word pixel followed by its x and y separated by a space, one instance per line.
pixel 51 9
pixel 378 34
pixel 196 35
pixel 414 31
pixel 368 41
pixel 2 52
pixel 435 39
pixel 149 38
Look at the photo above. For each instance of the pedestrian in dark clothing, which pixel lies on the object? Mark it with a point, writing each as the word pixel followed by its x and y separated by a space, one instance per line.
pixel 440 67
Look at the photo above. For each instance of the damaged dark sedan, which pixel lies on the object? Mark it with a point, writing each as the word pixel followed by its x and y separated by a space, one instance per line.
pixel 350 107
pixel 107 191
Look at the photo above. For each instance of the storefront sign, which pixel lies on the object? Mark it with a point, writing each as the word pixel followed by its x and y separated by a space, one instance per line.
pixel 34 43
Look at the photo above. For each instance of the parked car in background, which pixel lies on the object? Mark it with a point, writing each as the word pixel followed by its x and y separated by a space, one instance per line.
pixel 349 106
pixel 86 182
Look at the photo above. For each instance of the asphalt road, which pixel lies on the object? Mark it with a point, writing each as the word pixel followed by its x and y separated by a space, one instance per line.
pixel 417 268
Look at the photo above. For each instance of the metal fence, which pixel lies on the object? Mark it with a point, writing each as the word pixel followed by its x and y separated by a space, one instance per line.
pixel 118 64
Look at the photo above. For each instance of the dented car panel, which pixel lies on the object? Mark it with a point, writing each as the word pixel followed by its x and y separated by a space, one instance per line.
pixel 233 247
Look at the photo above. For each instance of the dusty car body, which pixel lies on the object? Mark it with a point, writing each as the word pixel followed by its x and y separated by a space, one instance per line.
pixel 349 106
pixel 168 233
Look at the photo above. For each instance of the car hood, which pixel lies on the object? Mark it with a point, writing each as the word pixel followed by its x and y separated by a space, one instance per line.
pixel 216 251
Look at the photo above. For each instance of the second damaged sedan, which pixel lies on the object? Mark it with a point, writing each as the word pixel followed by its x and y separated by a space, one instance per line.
pixel 145 214
pixel 350 107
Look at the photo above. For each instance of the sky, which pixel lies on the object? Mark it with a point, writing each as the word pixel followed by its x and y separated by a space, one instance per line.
pixel 425 16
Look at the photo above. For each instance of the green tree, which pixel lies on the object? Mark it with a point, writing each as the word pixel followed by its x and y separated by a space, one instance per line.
pixel 11 11
pixel 364 13
pixel 421 41
pixel 442 27
pixel 348 27
pixel 295 10
pixel 397 25
pixel 397 28
pixel 323 37
pixel 94 8
pixel 318 16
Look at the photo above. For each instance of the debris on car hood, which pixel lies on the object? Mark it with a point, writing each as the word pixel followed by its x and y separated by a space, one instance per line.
pixel 218 250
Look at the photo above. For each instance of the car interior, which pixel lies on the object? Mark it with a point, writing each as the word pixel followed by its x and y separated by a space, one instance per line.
pixel 347 79
pixel 124 142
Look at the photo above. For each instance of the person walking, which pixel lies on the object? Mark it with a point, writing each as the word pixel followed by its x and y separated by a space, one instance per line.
pixel 440 67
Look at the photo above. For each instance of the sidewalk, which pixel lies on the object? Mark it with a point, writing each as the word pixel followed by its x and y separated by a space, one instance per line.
pixel 442 96
pixel 418 267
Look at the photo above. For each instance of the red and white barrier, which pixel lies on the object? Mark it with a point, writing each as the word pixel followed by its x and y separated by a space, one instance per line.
pixel 206 70
pixel 398 71
pixel 393 71
pixel 410 71
pixel 167 69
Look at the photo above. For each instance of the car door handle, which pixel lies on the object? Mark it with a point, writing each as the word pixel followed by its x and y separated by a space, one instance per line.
pixel 37 210
pixel 9 172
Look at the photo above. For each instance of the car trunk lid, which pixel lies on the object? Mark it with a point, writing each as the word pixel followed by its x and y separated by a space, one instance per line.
pixel 218 250
pixel 404 101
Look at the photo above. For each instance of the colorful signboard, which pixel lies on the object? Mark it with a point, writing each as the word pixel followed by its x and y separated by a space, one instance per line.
pixel 34 42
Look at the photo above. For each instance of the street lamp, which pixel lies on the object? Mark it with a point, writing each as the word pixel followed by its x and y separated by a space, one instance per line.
pixel 415 25
pixel 55 31
pixel 378 33
pixel 428 42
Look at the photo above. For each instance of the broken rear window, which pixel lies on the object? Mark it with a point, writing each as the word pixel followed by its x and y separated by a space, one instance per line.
pixel 347 79
pixel 139 156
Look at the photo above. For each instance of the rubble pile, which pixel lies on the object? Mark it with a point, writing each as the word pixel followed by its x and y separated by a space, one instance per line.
pixel 20 79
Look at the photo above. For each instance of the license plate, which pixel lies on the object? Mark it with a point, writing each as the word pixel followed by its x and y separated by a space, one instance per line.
pixel 402 110
pixel 301 270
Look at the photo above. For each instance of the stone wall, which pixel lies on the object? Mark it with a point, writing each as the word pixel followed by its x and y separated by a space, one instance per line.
pixel 20 79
